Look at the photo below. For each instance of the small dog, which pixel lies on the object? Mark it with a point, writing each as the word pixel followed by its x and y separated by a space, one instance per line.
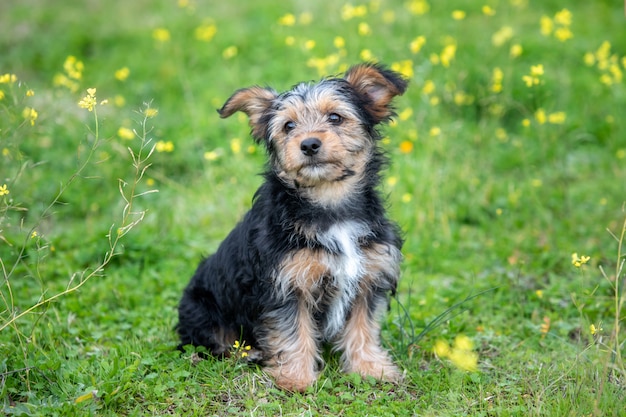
pixel 315 258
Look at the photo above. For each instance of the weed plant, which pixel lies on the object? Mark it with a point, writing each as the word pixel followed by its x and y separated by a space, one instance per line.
pixel 508 177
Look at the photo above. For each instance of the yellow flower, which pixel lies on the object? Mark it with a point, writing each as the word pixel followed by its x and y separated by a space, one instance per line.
pixel 404 67
pixel 539 293
pixel 435 131
pixel 557 118
pixel 366 55
pixel 34 234
pixel 461 98
pixel 392 181
pixel 364 29
pixel 488 11
pixel 162 146
pixel 287 20
pixel 496 80
pixel 211 155
pixel 30 93
pixel 595 330
pixel 150 112
pixel 406 146
pixel 416 44
pixel 460 354
pixel 579 261
pixel 540 116
pixel 429 87
pixel 8 78
pixel 564 17
pixel 309 44
pixel 516 50
pixel 458 14
pixel 161 35
pixel 89 101
pixel 418 7
pixel 125 133
pixel 339 42
pixel 235 145
pixel 349 11
pixel 447 54
pixel 205 32
pixel 546 25
pixel 563 34
pixel 503 35
pixel 230 52
pixel 4 190
pixel 30 114
pixel 122 74
pixel 73 67
pixel 526 122
pixel 545 326
pixel 441 349
pixel 406 198
pixel 589 59
pixel 463 342
pixel 536 70
pixel 405 114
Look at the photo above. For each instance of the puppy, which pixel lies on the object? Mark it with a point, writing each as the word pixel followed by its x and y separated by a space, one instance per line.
pixel 315 259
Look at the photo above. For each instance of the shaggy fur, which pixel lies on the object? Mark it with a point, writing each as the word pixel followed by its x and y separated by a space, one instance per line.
pixel 315 258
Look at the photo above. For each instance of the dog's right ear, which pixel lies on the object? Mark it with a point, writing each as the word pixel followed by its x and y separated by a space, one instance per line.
pixel 253 101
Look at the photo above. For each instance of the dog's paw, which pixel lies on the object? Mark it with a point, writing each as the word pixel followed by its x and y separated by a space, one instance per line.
pixel 293 378
pixel 383 370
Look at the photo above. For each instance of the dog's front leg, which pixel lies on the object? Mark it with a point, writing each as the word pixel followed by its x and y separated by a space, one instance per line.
pixel 292 346
pixel 359 341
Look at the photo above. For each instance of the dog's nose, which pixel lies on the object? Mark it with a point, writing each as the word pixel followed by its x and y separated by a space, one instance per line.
pixel 310 146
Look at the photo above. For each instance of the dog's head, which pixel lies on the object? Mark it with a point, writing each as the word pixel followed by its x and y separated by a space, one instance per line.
pixel 321 135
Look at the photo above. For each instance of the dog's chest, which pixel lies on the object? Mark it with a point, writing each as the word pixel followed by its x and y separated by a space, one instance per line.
pixel 343 243
pixel 345 261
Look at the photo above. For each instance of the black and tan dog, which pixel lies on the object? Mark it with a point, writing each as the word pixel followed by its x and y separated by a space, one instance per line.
pixel 315 258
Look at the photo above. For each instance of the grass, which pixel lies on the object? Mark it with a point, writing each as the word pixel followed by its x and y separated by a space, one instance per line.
pixel 495 183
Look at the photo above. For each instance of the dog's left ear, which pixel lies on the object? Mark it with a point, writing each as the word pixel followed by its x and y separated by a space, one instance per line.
pixel 253 101
pixel 378 86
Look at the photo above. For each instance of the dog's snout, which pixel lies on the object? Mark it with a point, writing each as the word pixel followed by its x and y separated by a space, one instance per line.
pixel 310 146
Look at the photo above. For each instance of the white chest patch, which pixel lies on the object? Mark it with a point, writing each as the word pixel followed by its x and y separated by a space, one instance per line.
pixel 347 268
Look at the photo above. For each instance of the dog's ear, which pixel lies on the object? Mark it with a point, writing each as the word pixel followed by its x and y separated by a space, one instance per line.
pixel 253 101
pixel 377 85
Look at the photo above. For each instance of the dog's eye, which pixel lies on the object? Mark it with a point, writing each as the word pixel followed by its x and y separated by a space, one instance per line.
pixel 289 126
pixel 335 119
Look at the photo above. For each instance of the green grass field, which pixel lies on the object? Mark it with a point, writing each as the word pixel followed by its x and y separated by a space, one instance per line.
pixel 508 178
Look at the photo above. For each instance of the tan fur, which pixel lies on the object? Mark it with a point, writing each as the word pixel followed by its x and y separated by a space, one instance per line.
pixel 360 345
pixel 303 271
pixel 369 82
pixel 344 147
pixel 253 101
pixel 294 366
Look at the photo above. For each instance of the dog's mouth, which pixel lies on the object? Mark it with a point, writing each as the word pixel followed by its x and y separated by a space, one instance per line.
pixel 316 173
